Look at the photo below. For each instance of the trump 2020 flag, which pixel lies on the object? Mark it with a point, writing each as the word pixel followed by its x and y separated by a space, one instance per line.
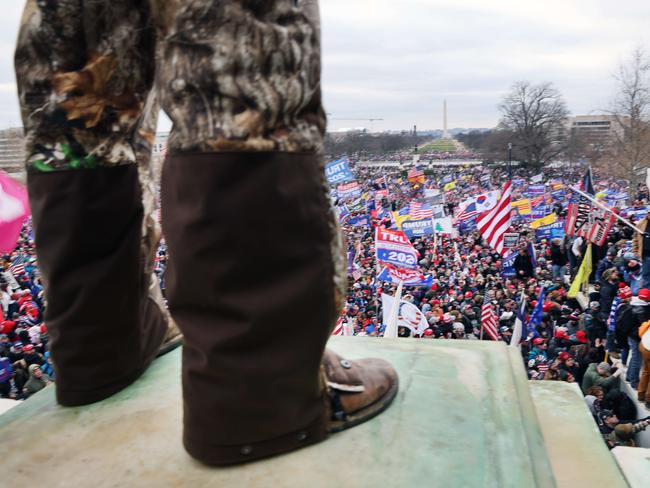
pixel 14 209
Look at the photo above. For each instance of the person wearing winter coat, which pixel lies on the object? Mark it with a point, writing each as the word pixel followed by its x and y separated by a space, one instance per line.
pixel 627 325
pixel 524 264
pixel 558 259
pixel 608 291
pixel 601 375
pixel 37 381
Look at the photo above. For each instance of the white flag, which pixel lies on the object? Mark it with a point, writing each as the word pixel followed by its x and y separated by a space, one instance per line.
pixel 409 315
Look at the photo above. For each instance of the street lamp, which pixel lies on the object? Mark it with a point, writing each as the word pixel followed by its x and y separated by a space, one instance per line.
pixel 510 160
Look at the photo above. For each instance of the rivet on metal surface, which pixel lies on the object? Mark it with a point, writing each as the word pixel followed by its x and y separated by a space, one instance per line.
pixel 346 364
pixel 246 450
pixel 302 435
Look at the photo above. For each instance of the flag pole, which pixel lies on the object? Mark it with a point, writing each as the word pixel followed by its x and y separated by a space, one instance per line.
pixel 510 160
pixel 604 207
pixel 519 322
pixel 391 325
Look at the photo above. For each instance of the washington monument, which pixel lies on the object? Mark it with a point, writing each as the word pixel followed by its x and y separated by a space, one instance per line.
pixel 445 132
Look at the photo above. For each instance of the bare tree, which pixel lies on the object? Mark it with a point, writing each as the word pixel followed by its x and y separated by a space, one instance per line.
pixel 630 149
pixel 536 116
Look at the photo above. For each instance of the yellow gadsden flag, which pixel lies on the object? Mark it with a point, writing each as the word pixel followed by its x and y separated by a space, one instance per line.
pixel 450 186
pixel 582 277
pixel 547 220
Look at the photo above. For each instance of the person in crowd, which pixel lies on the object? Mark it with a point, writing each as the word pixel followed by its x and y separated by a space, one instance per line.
pixel 641 248
pixel 37 381
pixel 608 291
pixel 623 433
pixel 628 324
pixel 601 375
pixel 558 259
pixel 644 349
pixel 524 264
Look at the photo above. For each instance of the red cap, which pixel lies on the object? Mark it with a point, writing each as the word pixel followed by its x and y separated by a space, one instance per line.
pixel 537 341
pixel 581 336
pixel 560 334
pixel 644 294
pixel 428 332
pixel 28 347
pixel 622 285
pixel 563 356
pixel 547 307
pixel 469 294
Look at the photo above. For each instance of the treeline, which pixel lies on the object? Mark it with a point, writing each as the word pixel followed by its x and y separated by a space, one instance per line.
pixel 359 142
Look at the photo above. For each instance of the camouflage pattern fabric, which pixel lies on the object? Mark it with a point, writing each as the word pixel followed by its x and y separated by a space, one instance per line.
pixel 232 75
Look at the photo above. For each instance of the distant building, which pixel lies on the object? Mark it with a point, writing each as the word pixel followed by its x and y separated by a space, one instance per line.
pixel 12 152
pixel 596 129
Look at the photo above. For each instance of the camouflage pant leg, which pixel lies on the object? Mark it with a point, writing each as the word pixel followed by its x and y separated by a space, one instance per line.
pixel 233 75
pixel 85 73
pixel 244 75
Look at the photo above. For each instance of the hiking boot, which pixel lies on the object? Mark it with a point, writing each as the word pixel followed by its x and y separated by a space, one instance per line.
pixel 358 390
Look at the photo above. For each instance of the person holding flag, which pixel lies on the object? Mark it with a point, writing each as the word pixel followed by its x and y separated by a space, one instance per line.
pixel 489 320
pixel 641 248
pixel 536 317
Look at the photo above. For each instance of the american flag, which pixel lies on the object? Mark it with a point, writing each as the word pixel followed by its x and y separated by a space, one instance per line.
pixel 493 223
pixel 17 268
pixel 489 319
pixel 338 328
pixel 381 182
pixel 419 211
pixel 468 213
pixel 542 367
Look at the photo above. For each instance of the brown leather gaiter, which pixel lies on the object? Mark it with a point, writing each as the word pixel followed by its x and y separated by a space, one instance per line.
pixel 104 330
pixel 250 284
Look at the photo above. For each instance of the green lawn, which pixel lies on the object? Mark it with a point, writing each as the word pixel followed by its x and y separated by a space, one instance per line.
pixel 439 145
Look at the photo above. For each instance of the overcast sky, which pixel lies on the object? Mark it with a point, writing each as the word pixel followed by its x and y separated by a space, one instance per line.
pixel 398 60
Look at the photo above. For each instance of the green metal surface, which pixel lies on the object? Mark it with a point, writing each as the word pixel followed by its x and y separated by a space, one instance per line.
pixel 577 451
pixel 635 463
pixel 463 418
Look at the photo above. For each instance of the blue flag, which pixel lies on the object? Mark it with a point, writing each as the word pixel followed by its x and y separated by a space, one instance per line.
pixel 536 317
pixel 338 171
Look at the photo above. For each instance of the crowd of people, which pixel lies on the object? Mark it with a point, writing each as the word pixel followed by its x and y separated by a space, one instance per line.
pixel 25 363
pixel 596 344
pixel 566 341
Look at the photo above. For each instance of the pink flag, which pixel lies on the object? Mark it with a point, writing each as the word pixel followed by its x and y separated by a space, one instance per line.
pixel 14 209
